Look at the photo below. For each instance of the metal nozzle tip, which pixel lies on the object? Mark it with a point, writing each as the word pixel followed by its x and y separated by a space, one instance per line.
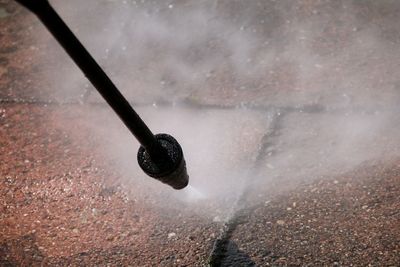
pixel 165 163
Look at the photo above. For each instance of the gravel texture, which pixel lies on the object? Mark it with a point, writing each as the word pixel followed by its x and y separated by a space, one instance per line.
pixel 350 220
pixel 66 201
pixel 61 205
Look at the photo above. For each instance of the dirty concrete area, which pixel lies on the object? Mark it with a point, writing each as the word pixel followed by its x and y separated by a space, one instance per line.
pixel 287 112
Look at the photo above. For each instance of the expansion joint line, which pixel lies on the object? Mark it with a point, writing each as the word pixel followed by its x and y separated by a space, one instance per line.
pixel 220 251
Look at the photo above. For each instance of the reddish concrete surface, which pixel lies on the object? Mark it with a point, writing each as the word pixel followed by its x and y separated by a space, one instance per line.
pixel 61 201
pixel 63 204
pixel 349 220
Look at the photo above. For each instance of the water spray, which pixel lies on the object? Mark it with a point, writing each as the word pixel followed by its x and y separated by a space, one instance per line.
pixel 160 156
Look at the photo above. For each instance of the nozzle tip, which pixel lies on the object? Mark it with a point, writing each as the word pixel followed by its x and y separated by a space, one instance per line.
pixel 165 162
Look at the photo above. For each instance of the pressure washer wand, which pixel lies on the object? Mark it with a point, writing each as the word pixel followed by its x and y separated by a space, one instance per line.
pixel 160 156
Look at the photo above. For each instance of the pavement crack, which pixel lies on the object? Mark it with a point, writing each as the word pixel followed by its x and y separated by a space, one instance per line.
pixel 307 109
pixel 225 251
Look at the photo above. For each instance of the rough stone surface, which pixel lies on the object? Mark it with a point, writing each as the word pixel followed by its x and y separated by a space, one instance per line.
pixel 264 101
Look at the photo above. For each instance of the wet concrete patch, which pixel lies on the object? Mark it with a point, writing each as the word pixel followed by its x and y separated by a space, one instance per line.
pixel 298 149
pixel 336 221
pixel 20 251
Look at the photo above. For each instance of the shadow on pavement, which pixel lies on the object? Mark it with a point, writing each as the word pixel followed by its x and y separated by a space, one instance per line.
pixel 231 255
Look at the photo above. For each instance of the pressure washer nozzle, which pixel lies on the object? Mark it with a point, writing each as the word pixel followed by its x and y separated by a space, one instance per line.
pixel 160 156
pixel 164 161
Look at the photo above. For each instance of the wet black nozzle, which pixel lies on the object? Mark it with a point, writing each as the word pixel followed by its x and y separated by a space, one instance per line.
pixel 160 156
pixel 164 161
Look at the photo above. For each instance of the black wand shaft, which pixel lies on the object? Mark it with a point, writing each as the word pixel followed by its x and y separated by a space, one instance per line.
pixel 92 70
pixel 159 156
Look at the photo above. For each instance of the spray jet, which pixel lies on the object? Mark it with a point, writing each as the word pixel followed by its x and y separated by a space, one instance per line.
pixel 160 156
